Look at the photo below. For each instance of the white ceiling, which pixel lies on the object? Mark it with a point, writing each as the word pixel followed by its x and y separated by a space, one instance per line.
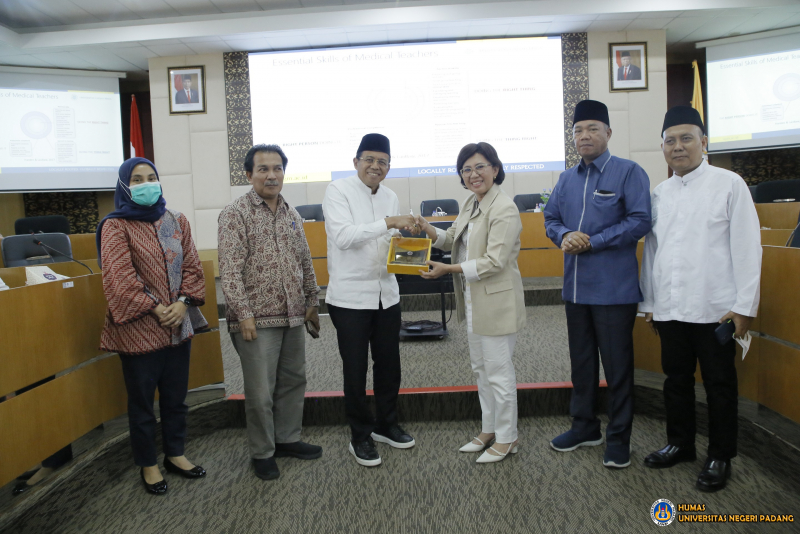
pixel 121 35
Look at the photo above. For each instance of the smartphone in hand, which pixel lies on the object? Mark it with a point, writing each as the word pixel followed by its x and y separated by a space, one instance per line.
pixel 725 331
pixel 312 330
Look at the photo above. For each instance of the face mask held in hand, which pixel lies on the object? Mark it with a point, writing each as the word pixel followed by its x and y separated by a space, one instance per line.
pixel 146 194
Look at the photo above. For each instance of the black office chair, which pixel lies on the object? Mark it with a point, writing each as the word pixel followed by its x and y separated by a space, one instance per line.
pixel 447 205
pixel 21 251
pixel 311 212
pixel 49 224
pixel 527 202
pixel 777 190
pixel 752 189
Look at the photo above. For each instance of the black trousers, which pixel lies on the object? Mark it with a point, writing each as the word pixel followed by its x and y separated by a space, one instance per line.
pixel 168 370
pixel 682 345
pixel 59 458
pixel 602 333
pixel 378 330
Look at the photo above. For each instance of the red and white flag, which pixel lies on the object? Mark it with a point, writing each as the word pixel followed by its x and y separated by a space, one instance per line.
pixel 137 145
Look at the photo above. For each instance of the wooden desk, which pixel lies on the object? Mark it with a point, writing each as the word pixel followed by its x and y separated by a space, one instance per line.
pixel 49 329
pixel 770 373
pixel 778 215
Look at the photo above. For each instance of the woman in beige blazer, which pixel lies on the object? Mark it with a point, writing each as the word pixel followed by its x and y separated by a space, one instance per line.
pixel 485 241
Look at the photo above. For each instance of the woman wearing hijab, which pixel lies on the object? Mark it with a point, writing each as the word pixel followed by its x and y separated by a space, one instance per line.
pixel 485 242
pixel 153 282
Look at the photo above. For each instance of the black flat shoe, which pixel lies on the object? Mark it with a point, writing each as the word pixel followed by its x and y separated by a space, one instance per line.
pixel 194 472
pixel 159 488
pixel 715 475
pixel 21 488
pixel 669 456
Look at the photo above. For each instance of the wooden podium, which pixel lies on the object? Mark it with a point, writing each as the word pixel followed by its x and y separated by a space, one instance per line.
pixel 54 329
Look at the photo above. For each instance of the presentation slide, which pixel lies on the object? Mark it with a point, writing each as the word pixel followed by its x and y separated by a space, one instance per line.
pixel 59 133
pixel 754 102
pixel 430 99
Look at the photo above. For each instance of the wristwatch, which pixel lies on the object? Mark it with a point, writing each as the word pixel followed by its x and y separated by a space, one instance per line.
pixel 185 300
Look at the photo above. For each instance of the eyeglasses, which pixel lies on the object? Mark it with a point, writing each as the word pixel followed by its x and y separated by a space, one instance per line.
pixel 479 168
pixel 382 163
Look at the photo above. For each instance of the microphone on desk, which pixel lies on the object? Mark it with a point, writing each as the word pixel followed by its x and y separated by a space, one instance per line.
pixel 39 242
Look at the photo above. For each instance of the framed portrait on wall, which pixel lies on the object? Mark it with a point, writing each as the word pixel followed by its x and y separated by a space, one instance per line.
pixel 627 67
pixel 187 90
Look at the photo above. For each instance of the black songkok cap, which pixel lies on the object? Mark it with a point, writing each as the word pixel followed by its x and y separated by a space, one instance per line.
pixel 374 142
pixel 682 115
pixel 625 53
pixel 591 110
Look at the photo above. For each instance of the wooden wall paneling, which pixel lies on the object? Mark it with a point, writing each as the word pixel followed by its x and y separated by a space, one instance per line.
pixel 777 216
pixel 43 420
pixel 533 233
pixel 541 262
pixel 12 207
pixel 780 293
pixel 778 378
pixel 47 328
pixel 206 360
pixel 209 309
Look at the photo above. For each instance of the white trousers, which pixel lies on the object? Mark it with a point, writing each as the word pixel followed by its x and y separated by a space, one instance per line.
pixel 497 383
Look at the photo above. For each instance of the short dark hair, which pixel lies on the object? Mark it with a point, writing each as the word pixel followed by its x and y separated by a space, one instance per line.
pixel 251 154
pixel 487 151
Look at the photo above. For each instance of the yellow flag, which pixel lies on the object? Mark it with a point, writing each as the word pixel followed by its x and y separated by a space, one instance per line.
pixel 697 95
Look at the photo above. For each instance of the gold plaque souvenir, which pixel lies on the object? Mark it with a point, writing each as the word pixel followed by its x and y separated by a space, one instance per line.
pixel 407 255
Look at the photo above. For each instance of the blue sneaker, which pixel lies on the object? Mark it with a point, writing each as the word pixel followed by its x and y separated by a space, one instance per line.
pixel 617 456
pixel 571 440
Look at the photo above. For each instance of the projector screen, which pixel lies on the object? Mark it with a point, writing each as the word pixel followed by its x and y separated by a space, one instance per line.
pixel 430 99
pixel 754 94
pixel 59 133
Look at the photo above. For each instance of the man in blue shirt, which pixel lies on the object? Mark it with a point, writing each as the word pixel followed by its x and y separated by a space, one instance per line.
pixel 597 213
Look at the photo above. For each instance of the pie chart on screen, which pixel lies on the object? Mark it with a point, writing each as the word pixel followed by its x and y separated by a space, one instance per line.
pixel 787 87
pixel 36 125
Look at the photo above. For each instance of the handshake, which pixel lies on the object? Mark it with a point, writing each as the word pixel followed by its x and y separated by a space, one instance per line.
pixel 411 223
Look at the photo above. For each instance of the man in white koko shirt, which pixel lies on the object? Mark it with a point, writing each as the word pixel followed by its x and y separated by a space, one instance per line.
pixel 363 299
pixel 701 268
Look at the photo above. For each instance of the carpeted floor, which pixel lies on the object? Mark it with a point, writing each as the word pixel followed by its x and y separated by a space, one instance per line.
pixel 428 489
pixel 541 355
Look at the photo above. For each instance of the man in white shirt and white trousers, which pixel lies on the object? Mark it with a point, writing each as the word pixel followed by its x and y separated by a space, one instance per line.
pixel 701 268
pixel 363 299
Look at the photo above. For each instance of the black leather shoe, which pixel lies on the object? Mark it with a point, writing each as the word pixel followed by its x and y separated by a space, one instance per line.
pixel 394 436
pixel 266 468
pixel 21 488
pixel 159 488
pixel 298 449
pixel 669 456
pixel 365 452
pixel 715 475
pixel 194 472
